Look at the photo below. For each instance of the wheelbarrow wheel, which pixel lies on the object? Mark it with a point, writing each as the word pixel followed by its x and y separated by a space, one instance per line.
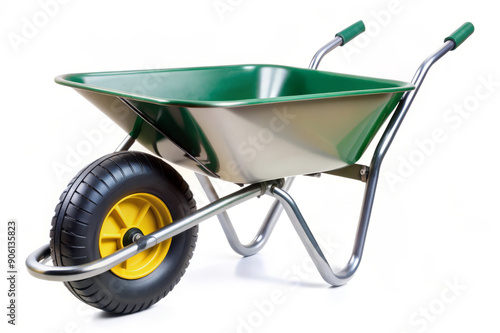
pixel 109 204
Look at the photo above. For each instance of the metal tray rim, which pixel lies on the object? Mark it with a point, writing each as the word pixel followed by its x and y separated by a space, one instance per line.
pixel 400 86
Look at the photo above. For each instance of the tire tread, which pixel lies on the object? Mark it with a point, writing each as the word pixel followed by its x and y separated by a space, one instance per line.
pixel 71 221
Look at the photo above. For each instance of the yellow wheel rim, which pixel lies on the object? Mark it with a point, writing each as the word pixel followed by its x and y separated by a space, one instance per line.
pixel 139 213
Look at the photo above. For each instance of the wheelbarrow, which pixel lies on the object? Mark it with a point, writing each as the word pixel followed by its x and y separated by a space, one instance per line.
pixel 126 226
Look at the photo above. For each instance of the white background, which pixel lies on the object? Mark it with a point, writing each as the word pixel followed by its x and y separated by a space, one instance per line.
pixel 434 226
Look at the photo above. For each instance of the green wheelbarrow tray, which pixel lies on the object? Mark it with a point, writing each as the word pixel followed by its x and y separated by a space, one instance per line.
pixel 246 123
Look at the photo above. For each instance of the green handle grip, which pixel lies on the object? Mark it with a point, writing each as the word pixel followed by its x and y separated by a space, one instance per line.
pixel 349 33
pixel 461 34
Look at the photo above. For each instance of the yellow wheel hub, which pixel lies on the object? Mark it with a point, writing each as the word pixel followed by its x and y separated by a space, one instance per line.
pixel 133 216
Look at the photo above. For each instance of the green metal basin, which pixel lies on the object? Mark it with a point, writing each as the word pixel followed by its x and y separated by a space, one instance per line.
pixel 246 123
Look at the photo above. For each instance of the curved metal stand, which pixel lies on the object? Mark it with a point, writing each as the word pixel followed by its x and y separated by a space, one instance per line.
pixel 312 247
pixel 265 229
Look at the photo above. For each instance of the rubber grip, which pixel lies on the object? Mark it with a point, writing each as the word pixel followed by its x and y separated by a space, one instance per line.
pixel 461 34
pixel 350 32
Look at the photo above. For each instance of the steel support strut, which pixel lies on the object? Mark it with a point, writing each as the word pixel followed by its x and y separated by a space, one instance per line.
pixel 265 229
pixel 35 261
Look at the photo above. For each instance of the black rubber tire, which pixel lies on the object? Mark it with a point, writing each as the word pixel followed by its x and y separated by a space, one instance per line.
pixel 79 215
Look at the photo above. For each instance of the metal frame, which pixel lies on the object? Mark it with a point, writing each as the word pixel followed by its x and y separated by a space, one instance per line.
pixel 264 231
pixel 337 41
pixel 276 188
pixel 125 144
pixel 354 171
pixel 35 261
pixel 151 123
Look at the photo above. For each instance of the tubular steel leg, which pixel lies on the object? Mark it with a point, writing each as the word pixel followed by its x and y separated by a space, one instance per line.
pixel 126 144
pixel 312 247
pixel 265 229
